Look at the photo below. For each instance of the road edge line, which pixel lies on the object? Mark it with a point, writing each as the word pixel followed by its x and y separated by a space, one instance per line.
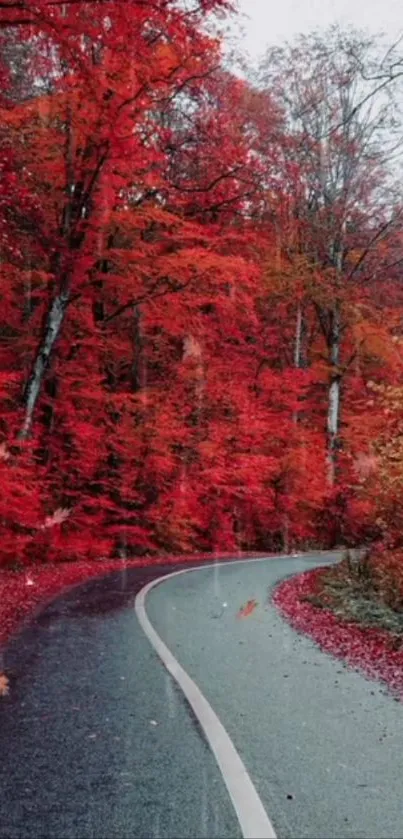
pixel 251 814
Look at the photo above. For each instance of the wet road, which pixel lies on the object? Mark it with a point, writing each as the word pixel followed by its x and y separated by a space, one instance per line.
pixel 322 744
pixel 97 741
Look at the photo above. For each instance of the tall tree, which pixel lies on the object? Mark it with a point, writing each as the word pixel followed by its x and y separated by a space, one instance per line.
pixel 335 173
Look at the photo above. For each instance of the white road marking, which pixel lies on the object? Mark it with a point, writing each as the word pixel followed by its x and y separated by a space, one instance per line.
pixel 252 816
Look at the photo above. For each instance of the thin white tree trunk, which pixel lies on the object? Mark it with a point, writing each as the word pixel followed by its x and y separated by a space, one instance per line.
pixel 298 346
pixel 52 329
pixel 298 363
pixel 333 416
pixel 298 339
pixel 60 302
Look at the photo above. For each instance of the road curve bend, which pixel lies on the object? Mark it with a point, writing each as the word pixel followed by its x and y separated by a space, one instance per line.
pixel 321 745
pixel 252 817
pixel 97 739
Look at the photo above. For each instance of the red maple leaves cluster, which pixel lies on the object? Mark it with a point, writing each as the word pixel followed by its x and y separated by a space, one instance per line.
pixel 167 329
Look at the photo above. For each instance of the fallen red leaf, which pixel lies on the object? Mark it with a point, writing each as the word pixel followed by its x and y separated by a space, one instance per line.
pixel 247 610
pixel 4 685
pixel 20 598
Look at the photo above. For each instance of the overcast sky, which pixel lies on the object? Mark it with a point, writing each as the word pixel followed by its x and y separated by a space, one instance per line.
pixel 273 21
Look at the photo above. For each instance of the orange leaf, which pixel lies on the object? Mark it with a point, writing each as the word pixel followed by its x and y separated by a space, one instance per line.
pixel 247 610
pixel 4 685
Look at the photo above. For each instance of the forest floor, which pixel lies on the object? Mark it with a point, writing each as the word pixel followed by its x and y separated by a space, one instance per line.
pixel 351 613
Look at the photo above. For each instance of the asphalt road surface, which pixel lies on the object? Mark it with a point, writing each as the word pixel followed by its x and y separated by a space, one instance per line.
pixel 96 739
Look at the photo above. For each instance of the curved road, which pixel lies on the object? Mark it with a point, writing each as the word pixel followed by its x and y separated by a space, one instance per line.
pixel 96 739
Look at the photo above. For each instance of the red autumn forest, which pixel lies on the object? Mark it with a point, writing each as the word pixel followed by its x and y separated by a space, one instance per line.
pixel 201 296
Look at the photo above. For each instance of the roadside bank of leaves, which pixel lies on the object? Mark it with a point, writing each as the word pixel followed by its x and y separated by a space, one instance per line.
pixel 353 611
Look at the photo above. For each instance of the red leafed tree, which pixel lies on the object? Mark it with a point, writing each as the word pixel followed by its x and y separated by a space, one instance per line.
pixel 93 231
pixel 167 297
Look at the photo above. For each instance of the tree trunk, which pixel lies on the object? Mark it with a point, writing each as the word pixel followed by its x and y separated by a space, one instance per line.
pixel 333 416
pixel 53 326
pixel 298 338
pixel 300 355
pixel 56 313
pixel 139 372
pixel 299 363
